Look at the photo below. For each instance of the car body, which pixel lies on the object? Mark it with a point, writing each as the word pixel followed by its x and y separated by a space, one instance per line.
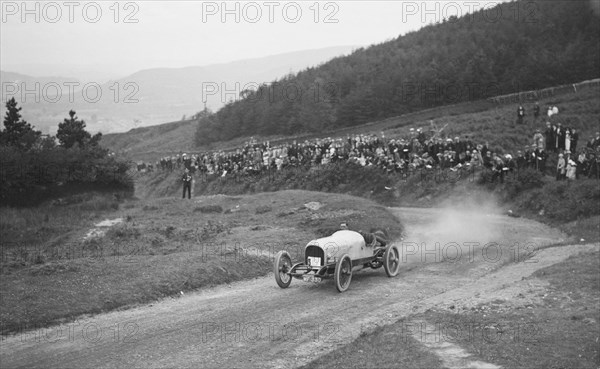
pixel 336 257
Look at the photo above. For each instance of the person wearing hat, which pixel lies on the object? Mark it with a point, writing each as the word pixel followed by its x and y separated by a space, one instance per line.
pixel 536 111
pixel 487 160
pixel 571 168
pixel 574 139
pixel 520 161
pixel 187 183
pixel 509 163
pixel 549 134
pixel 187 161
pixel 560 167
pixel 497 169
pixel 540 156
pixel 560 137
pixel 520 114
pixel 476 159
pixel 538 139
pixel 421 136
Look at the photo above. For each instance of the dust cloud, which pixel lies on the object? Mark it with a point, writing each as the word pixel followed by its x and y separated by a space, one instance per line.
pixel 451 232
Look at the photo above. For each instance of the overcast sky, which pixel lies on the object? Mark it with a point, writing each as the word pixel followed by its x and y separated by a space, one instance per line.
pixel 108 38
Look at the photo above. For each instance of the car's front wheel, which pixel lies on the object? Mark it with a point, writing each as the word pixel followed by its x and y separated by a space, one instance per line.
pixel 391 260
pixel 281 267
pixel 343 273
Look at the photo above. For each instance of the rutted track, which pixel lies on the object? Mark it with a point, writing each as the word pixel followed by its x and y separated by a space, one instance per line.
pixel 256 324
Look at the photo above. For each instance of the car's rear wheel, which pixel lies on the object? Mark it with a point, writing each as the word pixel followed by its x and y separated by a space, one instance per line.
pixel 391 260
pixel 343 273
pixel 281 266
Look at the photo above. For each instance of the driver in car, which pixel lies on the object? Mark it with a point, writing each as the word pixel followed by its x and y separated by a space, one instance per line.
pixel 371 238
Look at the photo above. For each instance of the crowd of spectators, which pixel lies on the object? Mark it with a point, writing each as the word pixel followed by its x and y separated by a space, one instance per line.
pixel 419 150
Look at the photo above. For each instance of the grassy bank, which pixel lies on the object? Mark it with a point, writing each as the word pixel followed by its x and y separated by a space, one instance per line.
pixel 58 263
pixel 569 205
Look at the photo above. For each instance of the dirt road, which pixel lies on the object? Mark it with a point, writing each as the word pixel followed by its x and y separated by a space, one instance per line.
pixel 448 258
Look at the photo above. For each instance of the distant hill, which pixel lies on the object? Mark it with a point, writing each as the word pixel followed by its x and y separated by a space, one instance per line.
pixel 155 96
pixel 516 46
pixel 39 112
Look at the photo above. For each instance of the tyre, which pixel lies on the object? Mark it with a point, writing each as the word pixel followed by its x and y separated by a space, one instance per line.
pixel 281 266
pixel 391 261
pixel 343 273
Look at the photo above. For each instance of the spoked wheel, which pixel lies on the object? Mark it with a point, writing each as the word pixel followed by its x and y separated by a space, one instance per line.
pixel 281 266
pixel 391 261
pixel 343 273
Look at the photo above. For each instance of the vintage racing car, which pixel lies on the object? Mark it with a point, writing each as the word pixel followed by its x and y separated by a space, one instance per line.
pixel 336 256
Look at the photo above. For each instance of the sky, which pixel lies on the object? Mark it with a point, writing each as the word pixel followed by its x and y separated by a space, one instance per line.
pixel 108 39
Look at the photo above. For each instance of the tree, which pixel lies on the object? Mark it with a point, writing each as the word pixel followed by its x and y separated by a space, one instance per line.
pixel 72 131
pixel 17 132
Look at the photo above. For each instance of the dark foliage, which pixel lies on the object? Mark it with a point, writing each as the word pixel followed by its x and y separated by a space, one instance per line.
pixel 515 46
pixel 17 132
pixel 35 169
pixel 72 131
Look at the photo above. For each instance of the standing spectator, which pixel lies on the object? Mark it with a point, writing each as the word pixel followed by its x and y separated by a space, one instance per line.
pixel 541 157
pixel 520 114
pixel 509 164
pixel 536 111
pixel 560 137
pixel 568 139
pixel 521 161
pixel 497 169
pixel 187 161
pixel 560 167
pixel 538 139
pixel 549 133
pixel 187 183
pixel 581 164
pixel 571 168
pixel 574 139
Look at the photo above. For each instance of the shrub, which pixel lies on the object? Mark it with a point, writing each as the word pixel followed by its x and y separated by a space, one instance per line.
pixel 207 209
pixel 263 209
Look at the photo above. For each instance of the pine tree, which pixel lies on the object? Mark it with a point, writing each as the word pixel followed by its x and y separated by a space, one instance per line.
pixel 17 132
pixel 72 131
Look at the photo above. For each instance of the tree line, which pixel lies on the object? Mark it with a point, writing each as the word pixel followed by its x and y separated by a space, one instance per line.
pixel 516 46
pixel 36 167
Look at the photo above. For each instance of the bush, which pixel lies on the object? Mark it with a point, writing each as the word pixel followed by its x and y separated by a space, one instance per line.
pixel 36 176
pixel 207 209
pixel 123 232
pixel 523 180
pixel 211 229
pixel 263 209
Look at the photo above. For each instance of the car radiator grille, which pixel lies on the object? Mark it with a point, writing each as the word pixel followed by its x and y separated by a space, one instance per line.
pixel 314 251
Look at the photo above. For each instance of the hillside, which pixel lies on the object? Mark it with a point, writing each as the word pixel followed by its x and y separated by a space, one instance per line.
pixel 562 201
pixel 150 143
pixel 544 43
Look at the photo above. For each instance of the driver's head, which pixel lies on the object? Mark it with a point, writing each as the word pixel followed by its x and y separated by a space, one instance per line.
pixel 344 226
